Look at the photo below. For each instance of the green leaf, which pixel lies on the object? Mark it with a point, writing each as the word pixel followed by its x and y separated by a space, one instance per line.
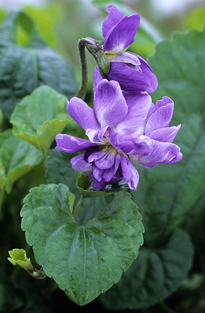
pixel 38 118
pixel 84 182
pixel 17 156
pixel 194 225
pixel 58 170
pixel 84 260
pixel 47 19
pixel 91 207
pixel 1 121
pixel 153 276
pixel 179 66
pixel 2 176
pixel 23 69
pixel 167 193
pixel 196 17
pixel 2 183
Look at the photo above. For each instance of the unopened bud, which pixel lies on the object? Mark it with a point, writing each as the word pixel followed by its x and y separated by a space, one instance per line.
pixel 18 257
pixel 95 47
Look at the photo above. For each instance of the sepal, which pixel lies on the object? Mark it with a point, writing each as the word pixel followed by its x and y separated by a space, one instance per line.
pixel 95 47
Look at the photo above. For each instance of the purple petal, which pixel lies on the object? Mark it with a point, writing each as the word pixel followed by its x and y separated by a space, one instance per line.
pixel 94 156
pixel 99 185
pixel 129 172
pixel 109 104
pixel 103 159
pixel 97 173
pixel 129 77
pixel 160 103
pixel 92 150
pixel 118 175
pixel 78 163
pixel 162 153
pixel 71 144
pixel 106 162
pixel 100 135
pixel 176 159
pixel 110 173
pixel 146 69
pixel 121 35
pixel 114 179
pixel 125 57
pixel 96 79
pixel 138 108
pixel 92 135
pixel 82 113
pixel 165 100
pixel 166 134
pixel 122 143
pixel 160 118
pixel 143 145
pixel 113 18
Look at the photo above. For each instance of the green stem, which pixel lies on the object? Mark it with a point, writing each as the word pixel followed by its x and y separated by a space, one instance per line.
pixel 84 68
pixel 77 207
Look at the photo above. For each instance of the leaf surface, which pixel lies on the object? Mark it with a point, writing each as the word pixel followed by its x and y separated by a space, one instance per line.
pixel 168 193
pixel 38 118
pixel 153 276
pixel 84 260
pixel 23 69
pixel 17 157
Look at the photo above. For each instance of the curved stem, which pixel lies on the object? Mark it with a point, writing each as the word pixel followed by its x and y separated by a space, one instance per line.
pixel 84 69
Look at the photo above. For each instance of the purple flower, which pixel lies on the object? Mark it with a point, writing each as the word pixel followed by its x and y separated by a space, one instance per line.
pixel 131 71
pixel 123 128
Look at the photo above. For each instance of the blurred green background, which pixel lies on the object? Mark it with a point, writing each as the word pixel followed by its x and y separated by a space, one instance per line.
pixel 63 22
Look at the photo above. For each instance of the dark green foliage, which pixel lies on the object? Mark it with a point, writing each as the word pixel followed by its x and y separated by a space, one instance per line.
pixel 23 69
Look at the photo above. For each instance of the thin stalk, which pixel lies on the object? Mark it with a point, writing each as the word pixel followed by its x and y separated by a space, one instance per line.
pixel 84 68
pixel 77 207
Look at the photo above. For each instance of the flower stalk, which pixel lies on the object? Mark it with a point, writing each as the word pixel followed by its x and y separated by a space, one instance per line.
pixel 84 68
pixel 95 47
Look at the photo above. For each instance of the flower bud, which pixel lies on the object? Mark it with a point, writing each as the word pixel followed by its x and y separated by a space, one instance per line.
pixel 95 47
pixel 18 257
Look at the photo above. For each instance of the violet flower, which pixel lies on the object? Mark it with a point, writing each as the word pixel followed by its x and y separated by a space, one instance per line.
pixel 131 71
pixel 123 128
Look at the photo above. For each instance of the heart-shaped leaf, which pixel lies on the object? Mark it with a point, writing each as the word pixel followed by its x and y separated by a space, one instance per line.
pixel 84 260
pixel 38 118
